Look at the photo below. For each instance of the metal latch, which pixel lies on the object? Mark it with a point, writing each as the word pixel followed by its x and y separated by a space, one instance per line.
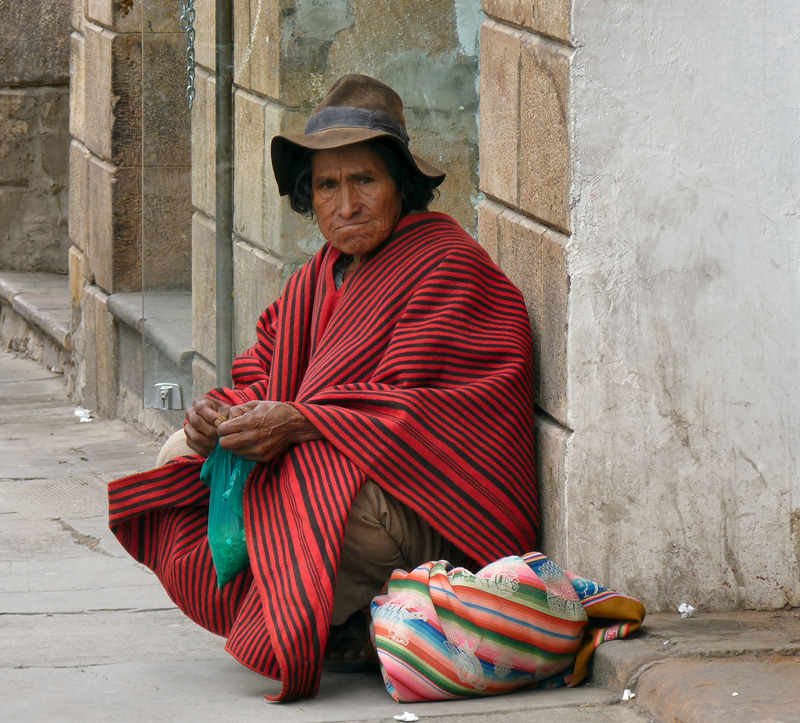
pixel 168 396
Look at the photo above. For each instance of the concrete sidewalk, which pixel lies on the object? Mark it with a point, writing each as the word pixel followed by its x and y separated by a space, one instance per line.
pixel 89 635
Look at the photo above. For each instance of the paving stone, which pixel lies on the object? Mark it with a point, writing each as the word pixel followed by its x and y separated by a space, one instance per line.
pixel 736 691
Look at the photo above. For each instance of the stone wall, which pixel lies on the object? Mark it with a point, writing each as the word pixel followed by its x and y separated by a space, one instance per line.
pixel 130 212
pixel 287 55
pixel 34 139
pixel 524 221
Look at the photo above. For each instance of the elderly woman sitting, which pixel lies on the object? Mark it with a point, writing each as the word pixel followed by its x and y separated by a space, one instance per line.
pixel 388 402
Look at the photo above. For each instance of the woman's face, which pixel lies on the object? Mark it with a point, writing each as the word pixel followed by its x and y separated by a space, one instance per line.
pixel 355 200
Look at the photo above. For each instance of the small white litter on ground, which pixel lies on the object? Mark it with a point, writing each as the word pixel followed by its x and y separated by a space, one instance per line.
pixel 406 717
pixel 628 695
pixel 734 693
pixel 84 415
pixel 686 610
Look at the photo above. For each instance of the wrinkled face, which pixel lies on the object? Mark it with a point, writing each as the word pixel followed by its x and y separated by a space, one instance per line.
pixel 355 200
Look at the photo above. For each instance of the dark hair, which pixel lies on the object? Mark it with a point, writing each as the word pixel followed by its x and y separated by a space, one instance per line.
pixel 416 191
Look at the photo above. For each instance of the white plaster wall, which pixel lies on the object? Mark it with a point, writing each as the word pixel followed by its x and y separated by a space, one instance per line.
pixel 684 318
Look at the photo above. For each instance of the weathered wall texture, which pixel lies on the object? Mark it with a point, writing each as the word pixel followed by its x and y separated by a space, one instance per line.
pixel 524 221
pixel 34 137
pixel 681 476
pixel 130 212
pixel 287 55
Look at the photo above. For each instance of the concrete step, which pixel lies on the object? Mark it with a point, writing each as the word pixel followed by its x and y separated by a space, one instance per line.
pixel 739 667
pixel 35 316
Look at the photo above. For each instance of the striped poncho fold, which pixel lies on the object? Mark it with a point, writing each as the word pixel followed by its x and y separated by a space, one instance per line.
pixel 420 379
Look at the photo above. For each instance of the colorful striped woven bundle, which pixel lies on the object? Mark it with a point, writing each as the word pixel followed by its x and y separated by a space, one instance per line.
pixel 444 633
pixel 418 372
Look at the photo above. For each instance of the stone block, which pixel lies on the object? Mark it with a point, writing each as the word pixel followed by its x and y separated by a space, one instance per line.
pixel 34 177
pixel 78 14
pixel 18 125
pixel 166 119
pixel 204 144
pixel 34 42
pixel 258 280
pixel 204 374
pixel 250 156
pixel 79 275
pixel 99 352
pixel 488 213
pixel 54 137
pixel 257 207
pixel 77 86
pixel 548 17
pixel 544 171
pixel 162 16
pixel 34 138
pixel 555 315
pixel 113 115
pixel 500 122
pixel 79 157
pixel 449 142
pixel 257 39
pixel 115 226
pixel 121 16
pixel 204 286
pixel 551 450
pixel 205 43
pixel 524 245
pixel 166 228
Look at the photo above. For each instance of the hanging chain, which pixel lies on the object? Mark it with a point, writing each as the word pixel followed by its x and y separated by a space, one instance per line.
pixel 188 16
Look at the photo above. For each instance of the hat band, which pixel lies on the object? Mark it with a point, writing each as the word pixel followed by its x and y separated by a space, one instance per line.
pixel 341 116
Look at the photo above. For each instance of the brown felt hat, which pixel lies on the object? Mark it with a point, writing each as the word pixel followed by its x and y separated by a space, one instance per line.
pixel 357 108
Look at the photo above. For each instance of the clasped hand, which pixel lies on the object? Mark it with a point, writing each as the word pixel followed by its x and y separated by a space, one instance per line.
pixel 258 431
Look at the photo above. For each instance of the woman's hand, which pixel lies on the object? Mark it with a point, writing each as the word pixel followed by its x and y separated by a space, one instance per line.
pixel 263 431
pixel 202 419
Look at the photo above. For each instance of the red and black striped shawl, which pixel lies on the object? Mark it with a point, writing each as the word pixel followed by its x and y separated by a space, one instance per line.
pixel 422 382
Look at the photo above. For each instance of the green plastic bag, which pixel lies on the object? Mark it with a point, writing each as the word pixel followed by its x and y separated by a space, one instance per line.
pixel 226 474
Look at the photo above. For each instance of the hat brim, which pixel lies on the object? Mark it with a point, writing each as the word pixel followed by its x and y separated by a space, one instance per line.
pixel 288 150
